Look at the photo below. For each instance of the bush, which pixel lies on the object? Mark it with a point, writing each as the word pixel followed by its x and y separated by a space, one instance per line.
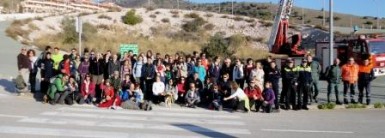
pixel 326 106
pixel 150 8
pixel 69 33
pixel 39 18
pixel 174 12
pixel 131 19
pixel 157 12
pixel 103 26
pixel 319 17
pixel 166 20
pixel 250 20
pixel 368 23
pixel 104 17
pixel 354 106
pixel 209 15
pixel 175 16
pixel 217 46
pixel 194 25
pixel 321 106
pixel 225 16
pixel 209 27
pixel 84 14
pixel 237 18
pixel 252 25
pixel 337 18
pixel 152 16
pixel 259 39
pixel 192 15
pixel 266 24
pixel 378 105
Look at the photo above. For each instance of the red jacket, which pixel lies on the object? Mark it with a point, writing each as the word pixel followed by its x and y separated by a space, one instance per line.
pixel 181 87
pixel 108 91
pixel 91 89
pixel 251 92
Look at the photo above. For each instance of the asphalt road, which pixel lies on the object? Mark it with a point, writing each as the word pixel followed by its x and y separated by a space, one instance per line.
pixel 23 116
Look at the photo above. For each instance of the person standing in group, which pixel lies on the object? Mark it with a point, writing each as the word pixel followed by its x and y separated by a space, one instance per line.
pixel 350 77
pixel 96 71
pixel 24 64
pixel 180 69
pixel 137 69
pixel 42 58
pixel 160 70
pixel 125 69
pixel 258 74
pixel 113 65
pixel 200 69
pixel 273 75
pixel 57 58
pixel 47 73
pixel 247 69
pixel 148 77
pixel 289 84
pixel 315 74
pixel 227 68
pixel 33 69
pixel 84 68
pixel 214 70
pixel 190 66
pixel 365 77
pixel 238 73
pixel 304 80
pixel 333 77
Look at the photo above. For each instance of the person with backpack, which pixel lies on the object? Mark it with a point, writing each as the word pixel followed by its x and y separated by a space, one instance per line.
pixel 333 77
pixel 57 89
pixel 365 77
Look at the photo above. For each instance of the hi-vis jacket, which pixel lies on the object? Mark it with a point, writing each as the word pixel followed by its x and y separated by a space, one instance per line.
pixel 350 73
pixel 304 74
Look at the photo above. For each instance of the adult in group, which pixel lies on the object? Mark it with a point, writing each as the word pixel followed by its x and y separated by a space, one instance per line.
pixel 365 77
pixel 254 93
pixel 214 70
pixel 33 69
pixel 315 74
pixel 158 91
pixel 273 75
pixel 148 78
pixel 350 77
pixel 47 73
pixel 227 68
pixel 137 69
pixel 333 77
pixel 84 68
pixel 57 58
pixel 24 64
pixel 304 80
pixel 97 71
pixel 192 97
pixel 113 65
pixel 87 91
pixel 57 89
pixel 289 84
pixel 247 70
pixel 238 73
pixel 239 98
pixel 258 73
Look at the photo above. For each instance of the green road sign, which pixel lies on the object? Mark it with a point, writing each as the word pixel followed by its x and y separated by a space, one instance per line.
pixel 127 47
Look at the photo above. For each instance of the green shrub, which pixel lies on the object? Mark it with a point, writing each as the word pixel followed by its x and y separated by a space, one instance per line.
pixel 217 46
pixel 266 23
pixel 328 106
pixel 69 33
pixel 368 23
pixel 353 106
pixel 131 19
pixel 84 14
pixel 192 15
pixel 152 16
pixel 209 27
pixel 175 15
pixel 39 18
pixel 157 12
pixel 166 20
pixel 209 15
pixel 225 16
pixel 237 18
pixel 251 20
pixel 194 25
pixel 150 8
pixel 321 106
pixel 104 17
pixel 378 105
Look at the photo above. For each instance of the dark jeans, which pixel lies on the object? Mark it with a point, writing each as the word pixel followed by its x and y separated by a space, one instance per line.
pixel 32 81
pixel 315 89
pixel 276 94
pixel 61 96
pixel 257 104
pixel 288 94
pixel 157 99
pixel 348 86
pixel 88 100
pixel 364 85
pixel 334 86
pixel 303 94
pixel 267 108
pixel 44 85
pixel 148 89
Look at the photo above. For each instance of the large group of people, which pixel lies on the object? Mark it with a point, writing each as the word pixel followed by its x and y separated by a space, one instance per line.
pixel 110 80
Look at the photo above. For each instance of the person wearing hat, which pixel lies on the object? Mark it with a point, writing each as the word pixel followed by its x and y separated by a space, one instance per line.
pixel 289 84
pixel 304 80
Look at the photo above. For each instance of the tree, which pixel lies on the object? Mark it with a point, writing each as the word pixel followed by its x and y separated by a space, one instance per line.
pixel 368 23
pixel 131 19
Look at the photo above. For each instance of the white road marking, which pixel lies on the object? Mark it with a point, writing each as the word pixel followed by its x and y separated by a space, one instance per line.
pixel 133 125
pixel 12 116
pixel 168 114
pixel 78 133
pixel 153 118
pixel 307 131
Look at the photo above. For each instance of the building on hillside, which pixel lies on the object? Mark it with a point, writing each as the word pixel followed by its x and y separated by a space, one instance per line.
pixel 64 6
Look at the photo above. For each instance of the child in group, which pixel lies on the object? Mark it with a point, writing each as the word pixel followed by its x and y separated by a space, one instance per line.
pixel 268 97
pixel 192 96
pixel 138 93
pixel 216 98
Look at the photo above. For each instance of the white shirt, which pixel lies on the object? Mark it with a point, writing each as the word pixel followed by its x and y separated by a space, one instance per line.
pixel 158 88
pixel 257 73
pixel 239 93
pixel 33 61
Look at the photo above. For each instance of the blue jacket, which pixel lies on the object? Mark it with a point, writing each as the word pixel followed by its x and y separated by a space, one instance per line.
pixel 304 74
pixel 47 69
pixel 148 71
pixel 201 72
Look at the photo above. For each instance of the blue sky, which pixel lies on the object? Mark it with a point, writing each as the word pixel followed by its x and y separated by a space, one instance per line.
pixel 355 7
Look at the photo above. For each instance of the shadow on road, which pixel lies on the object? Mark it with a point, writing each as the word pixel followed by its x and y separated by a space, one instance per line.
pixel 203 131
pixel 8 85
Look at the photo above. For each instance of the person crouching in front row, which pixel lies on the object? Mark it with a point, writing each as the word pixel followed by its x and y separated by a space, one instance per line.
pixel 268 98
pixel 241 98
pixel 109 99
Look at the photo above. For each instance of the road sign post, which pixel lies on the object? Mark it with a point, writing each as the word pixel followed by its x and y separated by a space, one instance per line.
pixel 79 29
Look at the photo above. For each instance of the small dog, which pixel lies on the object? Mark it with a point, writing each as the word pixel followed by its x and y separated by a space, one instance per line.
pixel 169 100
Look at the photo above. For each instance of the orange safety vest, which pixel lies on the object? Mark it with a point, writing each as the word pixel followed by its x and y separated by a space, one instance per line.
pixel 365 69
pixel 350 73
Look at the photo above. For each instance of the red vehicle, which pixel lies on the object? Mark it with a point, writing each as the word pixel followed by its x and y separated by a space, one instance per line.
pixel 360 49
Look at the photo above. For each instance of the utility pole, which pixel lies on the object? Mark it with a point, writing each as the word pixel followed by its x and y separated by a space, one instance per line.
pixel 219 6
pixel 178 4
pixel 323 14
pixel 331 32
pixel 79 29
pixel 232 7
pixel 303 16
pixel 378 15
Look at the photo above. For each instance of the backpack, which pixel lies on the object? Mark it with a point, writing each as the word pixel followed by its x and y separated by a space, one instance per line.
pixel 130 104
pixel 19 82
